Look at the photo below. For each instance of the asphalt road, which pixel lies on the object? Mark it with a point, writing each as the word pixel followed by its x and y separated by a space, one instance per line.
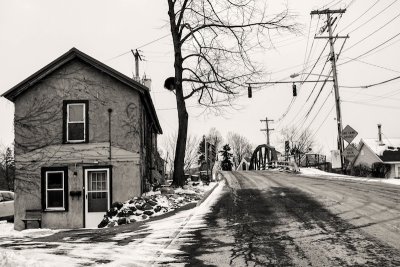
pixel 267 218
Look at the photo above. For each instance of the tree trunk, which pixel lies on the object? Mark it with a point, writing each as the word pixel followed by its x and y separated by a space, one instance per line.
pixel 179 162
pixel 179 173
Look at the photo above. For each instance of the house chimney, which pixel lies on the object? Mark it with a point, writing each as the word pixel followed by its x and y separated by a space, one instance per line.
pixel 380 134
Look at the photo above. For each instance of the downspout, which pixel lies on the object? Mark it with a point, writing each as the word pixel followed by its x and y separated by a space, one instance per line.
pixel 109 133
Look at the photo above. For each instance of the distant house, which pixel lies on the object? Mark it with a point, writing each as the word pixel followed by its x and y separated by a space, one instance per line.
pixel 386 151
pixel 85 137
pixel 383 150
pixel 244 164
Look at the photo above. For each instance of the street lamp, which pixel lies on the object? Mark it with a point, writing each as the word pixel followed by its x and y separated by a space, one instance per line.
pixel 294 75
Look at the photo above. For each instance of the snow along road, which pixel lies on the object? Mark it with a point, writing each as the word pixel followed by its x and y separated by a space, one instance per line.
pixel 270 218
pixel 262 218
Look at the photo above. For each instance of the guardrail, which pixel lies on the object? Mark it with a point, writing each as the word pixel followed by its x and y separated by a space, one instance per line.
pixel 287 165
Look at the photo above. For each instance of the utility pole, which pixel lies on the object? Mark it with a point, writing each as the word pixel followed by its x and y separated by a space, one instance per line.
pixel 267 129
pixel 329 22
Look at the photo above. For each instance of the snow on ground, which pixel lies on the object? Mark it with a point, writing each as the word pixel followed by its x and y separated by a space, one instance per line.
pixel 154 203
pixel 156 242
pixel 316 172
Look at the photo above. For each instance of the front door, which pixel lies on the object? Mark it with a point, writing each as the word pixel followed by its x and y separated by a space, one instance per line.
pixel 97 196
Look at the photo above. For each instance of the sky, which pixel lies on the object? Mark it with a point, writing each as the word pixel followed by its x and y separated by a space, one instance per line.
pixel 33 33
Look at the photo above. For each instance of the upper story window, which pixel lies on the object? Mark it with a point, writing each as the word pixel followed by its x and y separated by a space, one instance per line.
pixel 76 121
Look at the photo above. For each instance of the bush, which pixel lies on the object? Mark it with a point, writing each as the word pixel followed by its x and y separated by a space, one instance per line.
pixel 361 170
pixel 380 170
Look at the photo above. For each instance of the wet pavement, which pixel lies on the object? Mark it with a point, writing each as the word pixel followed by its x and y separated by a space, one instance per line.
pixel 280 219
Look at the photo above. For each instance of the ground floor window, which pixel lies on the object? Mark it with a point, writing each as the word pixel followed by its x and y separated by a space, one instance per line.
pixel 55 189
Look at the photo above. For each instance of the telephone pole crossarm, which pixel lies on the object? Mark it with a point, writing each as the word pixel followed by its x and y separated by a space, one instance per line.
pixel 267 129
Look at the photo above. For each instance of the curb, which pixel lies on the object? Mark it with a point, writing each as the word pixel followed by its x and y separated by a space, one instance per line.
pixel 206 195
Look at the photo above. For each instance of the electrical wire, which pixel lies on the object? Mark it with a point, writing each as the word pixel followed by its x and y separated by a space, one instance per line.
pixel 370 19
pixel 374 84
pixel 146 44
pixel 322 123
pixel 351 23
pixel 371 34
pixel 374 65
pixel 369 104
pixel 369 51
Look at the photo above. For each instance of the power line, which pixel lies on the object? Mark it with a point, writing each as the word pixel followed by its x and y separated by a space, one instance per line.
pixel 323 121
pixel 370 19
pixel 369 104
pixel 351 23
pixel 146 44
pixel 371 34
pixel 374 84
pixel 369 51
pixel 374 65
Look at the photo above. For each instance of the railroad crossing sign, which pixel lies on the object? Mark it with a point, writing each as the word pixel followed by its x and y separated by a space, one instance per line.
pixel 349 134
pixel 350 152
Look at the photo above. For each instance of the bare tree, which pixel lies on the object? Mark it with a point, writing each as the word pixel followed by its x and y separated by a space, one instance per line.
pixel 241 147
pixel 212 40
pixel 190 152
pixel 301 141
pixel 7 168
pixel 214 137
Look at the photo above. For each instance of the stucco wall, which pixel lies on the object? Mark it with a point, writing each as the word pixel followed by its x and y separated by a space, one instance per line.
pixel 39 127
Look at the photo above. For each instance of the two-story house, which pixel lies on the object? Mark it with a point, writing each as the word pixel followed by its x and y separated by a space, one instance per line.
pixel 85 137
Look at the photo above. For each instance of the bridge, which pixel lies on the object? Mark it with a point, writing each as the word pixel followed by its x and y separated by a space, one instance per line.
pixel 265 157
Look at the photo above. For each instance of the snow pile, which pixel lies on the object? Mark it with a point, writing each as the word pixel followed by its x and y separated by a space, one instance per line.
pixel 319 173
pixel 153 204
pixel 7 230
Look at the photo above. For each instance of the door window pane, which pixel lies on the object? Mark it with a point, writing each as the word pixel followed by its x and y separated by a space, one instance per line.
pixel 97 191
pixel 97 201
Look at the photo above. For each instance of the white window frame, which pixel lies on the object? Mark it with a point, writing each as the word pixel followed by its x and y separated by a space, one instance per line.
pixel 58 189
pixel 84 122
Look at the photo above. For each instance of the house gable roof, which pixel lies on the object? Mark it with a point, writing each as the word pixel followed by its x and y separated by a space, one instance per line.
pixel 74 53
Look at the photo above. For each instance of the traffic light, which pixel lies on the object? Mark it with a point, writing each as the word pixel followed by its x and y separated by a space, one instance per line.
pixel 250 94
pixel 287 147
pixel 294 89
pixel 213 152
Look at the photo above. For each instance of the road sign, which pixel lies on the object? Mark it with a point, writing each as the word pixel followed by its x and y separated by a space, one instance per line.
pixel 350 152
pixel 349 134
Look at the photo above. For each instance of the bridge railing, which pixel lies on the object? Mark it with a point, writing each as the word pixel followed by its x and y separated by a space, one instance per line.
pixel 287 165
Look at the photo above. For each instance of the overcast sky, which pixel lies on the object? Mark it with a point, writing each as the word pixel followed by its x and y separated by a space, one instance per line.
pixel 33 33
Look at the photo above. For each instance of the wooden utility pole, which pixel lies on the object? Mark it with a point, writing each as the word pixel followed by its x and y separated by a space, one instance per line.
pixel 328 27
pixel 267 129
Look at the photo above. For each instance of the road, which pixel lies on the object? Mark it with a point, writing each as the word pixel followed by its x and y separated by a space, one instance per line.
pixel 269 218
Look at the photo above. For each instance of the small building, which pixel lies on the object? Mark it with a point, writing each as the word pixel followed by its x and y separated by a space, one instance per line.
pixel 386 151
pixel 382 150
pixel 244 164
pixel 85 137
